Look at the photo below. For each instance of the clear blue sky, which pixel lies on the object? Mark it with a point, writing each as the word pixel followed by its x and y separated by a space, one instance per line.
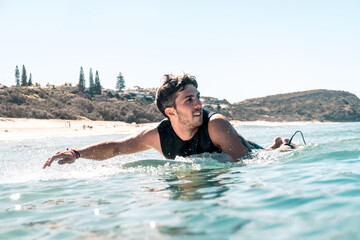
pixel 236 49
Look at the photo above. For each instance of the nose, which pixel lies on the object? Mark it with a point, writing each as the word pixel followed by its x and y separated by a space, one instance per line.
pixel 198 104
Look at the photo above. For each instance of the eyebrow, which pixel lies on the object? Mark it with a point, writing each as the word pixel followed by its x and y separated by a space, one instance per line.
pixel 191 95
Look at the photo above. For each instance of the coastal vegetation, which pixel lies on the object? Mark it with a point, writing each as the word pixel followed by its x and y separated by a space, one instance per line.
pixel 68 102
pixel 94 87
pixel 24 79
pixel 314 105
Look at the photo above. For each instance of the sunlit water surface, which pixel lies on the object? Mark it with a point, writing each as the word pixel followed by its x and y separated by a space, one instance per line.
pixel 309 193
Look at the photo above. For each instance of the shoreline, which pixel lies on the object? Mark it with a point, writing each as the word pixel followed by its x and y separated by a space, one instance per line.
pixel 30 128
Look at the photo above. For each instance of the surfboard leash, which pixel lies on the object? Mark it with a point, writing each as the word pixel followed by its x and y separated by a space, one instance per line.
pixel 302 135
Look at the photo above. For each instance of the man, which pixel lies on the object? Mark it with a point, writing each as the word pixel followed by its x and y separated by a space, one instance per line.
pixel 188 130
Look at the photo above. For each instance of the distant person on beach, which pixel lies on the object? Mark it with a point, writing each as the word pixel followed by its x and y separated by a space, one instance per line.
pixel 187 130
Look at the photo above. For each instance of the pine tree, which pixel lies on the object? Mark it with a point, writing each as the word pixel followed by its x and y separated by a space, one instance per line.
pixel 91 82
pixel 30 80
pixel 97 83
pixel 120 83
pixel 81 85
pixel 17 76
pixel 23 77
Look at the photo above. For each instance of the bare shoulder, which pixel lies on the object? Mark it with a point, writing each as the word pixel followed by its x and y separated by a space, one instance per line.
pixel 219 122
pixel 151 138
pixel 220 128
pixel 148 135
pixel 225 137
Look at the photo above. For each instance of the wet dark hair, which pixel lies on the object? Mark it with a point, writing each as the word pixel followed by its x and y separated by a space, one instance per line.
pixel 166 94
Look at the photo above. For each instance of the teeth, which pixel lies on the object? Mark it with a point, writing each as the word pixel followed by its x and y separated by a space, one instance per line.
pixel 196 114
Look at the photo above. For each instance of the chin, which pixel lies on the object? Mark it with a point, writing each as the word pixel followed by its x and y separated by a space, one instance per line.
pixel 199 122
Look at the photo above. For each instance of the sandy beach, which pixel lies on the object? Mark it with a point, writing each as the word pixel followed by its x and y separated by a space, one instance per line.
pixel 20 128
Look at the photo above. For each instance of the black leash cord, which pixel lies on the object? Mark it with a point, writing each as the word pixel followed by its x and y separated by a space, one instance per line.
pixel 294 135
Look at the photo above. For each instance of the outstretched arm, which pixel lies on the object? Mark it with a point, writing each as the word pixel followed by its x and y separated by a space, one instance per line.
pixel 225 137
pixel 142 141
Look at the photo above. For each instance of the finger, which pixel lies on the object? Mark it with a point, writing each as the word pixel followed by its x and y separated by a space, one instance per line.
pixel 50 160
pixel 63 161
pixel 61 157
pixel 47 164
pixel 44 166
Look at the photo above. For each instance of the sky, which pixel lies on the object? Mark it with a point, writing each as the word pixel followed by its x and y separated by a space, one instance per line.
pixel 236 49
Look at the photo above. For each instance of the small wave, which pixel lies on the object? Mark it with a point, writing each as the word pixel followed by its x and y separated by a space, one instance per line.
pixel 85 169
pixel 200 162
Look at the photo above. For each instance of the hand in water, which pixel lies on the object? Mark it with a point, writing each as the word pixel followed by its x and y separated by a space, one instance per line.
pixel 62 158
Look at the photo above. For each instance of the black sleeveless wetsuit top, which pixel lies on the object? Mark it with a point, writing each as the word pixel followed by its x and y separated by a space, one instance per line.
pixel 172 145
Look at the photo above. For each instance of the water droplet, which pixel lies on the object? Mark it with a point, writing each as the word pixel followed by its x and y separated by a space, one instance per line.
pixel 15 196
pixel 96 212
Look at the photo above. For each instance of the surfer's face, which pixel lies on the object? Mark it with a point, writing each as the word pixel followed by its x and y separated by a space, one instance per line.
pixel 188 107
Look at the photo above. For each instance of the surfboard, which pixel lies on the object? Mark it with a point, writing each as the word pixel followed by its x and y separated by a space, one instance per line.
pixel 152 163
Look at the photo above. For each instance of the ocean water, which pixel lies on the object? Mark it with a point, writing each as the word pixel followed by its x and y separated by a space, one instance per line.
pixel 312 192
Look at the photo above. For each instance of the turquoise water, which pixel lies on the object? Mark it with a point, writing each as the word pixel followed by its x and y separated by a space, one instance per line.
pixel 310 193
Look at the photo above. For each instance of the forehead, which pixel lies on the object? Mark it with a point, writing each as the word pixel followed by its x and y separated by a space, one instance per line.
pixel 189 90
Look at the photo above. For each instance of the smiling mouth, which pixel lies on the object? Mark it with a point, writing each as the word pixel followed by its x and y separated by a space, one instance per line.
pixel 197 114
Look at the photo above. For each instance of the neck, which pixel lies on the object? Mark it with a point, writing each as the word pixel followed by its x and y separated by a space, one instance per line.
pixel 184 133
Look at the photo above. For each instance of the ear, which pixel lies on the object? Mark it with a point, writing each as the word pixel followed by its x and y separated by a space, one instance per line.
pixel 170 111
